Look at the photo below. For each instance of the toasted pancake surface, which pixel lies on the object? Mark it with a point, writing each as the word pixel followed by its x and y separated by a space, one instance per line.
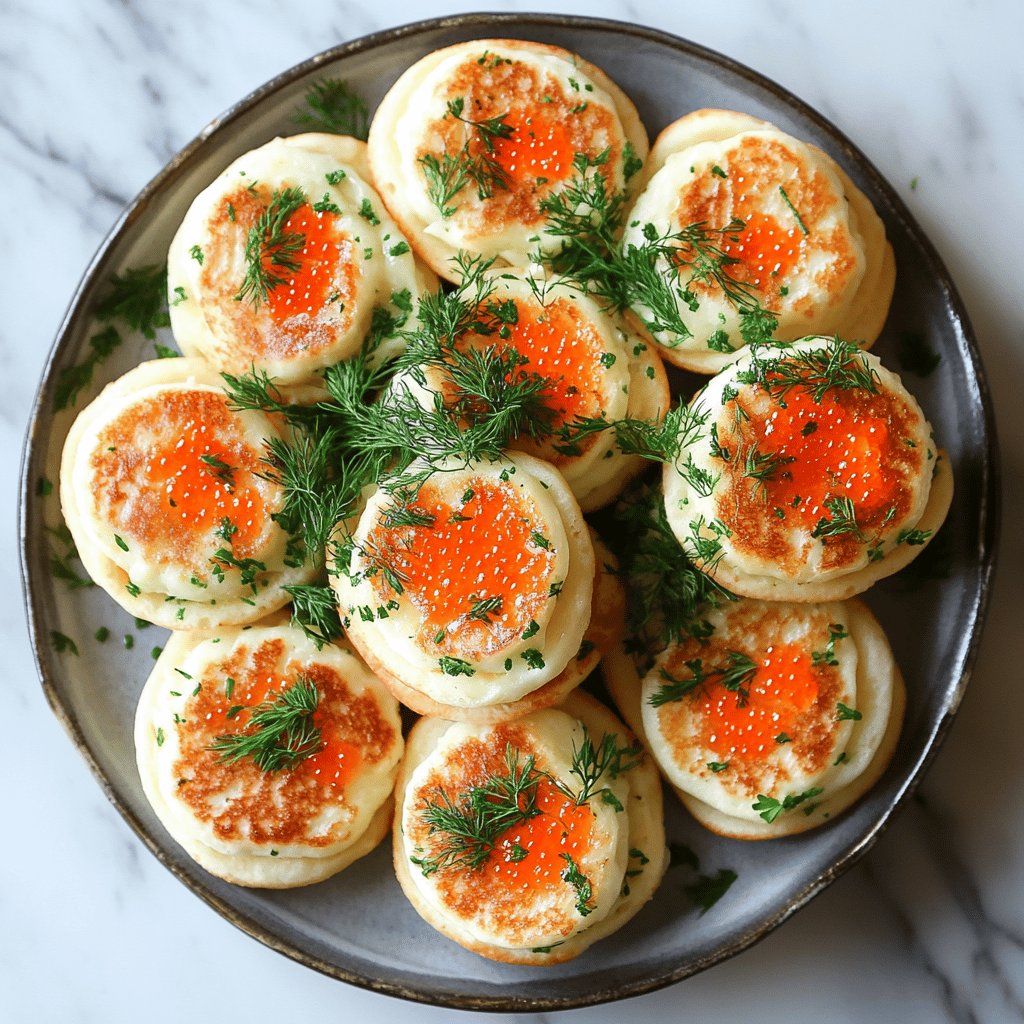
pixel 478 592
pixel 471 139
pixel 810 472
pixel 161 488
pixel 794 233
pixel 301 209
pixel 277 822
pixel 553 880
pixel 775 719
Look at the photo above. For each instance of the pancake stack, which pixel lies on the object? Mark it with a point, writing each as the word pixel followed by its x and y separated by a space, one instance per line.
pixel 424 472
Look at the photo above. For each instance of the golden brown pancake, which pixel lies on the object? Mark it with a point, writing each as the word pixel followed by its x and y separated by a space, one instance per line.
pixel 247 817
pixel 810 473
pixel 331 254
pixel 811 249
pixel 779 718
pixel 454 186
pixel 546 886
pixel 477 593
pixel 162 490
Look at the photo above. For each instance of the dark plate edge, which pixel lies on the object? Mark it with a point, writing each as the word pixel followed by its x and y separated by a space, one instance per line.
pixel 986 542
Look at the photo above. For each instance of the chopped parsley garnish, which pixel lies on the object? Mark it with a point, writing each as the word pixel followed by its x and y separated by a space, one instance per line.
pixel 769 808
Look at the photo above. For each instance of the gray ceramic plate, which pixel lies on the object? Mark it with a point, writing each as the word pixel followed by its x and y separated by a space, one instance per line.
pixel 357 926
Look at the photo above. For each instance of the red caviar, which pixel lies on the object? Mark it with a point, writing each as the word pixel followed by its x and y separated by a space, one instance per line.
pixel 561 345
pixel 539 148
pixel 202 484
pixel 324 275
pixel 764 247
pixel 334 765
pixel 746 724
pixel 528 856
pixel 481 548
pixel 839 447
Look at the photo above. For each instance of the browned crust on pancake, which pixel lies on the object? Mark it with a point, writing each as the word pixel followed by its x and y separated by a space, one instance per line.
pixel 841 588
pixel 245 868
pixel 646 832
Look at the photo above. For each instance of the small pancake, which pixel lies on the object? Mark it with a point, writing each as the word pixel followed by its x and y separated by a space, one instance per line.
pixel 780 718
pixel 550 105
pixel 284 826
pixel 811 474
pixel 476 594
pixel 551 884
pixel 594 367
pixel 812 250
pixel 338 256
pixel 161 489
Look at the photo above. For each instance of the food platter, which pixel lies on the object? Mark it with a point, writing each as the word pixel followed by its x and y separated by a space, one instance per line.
pixel 357 926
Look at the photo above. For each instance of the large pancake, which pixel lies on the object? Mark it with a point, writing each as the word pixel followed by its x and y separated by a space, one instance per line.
pixel 484 597
pixel 813 473
pixel 160 486
pixel 557 105
pixel 806 724
pixel 349 258
pixel 279 827
pixel 812 250
pixel 518 905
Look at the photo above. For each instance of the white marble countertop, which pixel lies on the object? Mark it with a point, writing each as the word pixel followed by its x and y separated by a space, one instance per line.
pixel 98 94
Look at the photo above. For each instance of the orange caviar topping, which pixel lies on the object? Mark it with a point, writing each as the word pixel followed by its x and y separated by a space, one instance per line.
pixel 561 345
pixel 334 765
pixel 839 447
pixel 201 485
pixel 486 547
pixel 528 856
pixel 745 724
pixel 324 276
pixel 539 148
pixel 765 249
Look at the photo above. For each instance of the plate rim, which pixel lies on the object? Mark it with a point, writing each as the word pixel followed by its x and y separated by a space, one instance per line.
pixel 92 277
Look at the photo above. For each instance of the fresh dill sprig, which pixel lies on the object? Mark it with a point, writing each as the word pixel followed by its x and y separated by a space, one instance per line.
pixel 764 466
pixel 579 882
pixel 281 732
pixel 270 248
pixel 468 830
pixel 138 297
pixel 666 591
pixel 72 379
pixel 592 763
pixel 333 106
pixel 735 676
pixel 838 365
pixel 841 521
pixel 585 215
pixel 656 286
pixel 657 441
pixel 475 162
pixel 315 612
